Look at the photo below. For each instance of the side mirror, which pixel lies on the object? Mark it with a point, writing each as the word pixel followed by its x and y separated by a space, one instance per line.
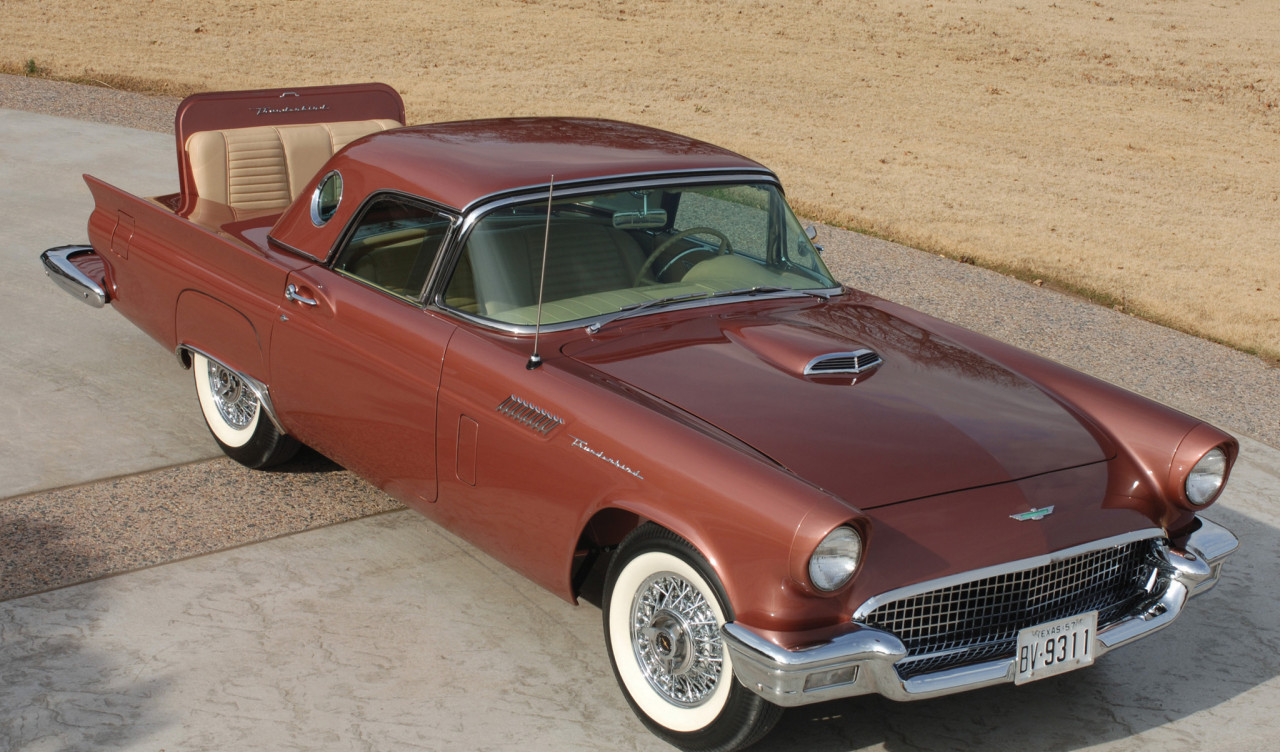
pixel 811 233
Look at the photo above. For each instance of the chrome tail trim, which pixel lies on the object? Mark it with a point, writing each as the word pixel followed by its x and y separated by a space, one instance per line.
pixel 57 264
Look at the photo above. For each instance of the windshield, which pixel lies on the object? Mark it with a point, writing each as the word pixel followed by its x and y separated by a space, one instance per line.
pixel 609 252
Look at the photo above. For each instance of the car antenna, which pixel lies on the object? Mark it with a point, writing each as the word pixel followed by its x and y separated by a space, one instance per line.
pixel 535 360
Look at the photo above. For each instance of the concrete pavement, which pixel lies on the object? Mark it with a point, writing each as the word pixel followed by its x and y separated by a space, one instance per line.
pixel 389 633
pixel 85 394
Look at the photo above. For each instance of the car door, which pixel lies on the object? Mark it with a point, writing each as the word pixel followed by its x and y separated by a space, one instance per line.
pixel 355 359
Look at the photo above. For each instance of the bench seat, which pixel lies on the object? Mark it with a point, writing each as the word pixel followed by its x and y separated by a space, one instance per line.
pixel 264 168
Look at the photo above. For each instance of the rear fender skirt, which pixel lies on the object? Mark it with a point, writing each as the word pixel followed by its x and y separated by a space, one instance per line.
pixel 258 388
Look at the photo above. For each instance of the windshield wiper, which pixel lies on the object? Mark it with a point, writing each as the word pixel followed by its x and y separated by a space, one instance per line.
pixel 637 308
pixel 634 308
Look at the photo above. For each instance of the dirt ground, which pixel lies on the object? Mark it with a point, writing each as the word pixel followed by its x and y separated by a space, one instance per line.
pixel 1127 148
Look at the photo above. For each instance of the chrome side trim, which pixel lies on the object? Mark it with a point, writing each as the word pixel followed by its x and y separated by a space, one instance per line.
pixel 258 388
pixel 861 661
pixel 530 416
pixel 57 264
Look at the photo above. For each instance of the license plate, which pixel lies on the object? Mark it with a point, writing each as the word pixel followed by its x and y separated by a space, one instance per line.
pixel 1056 647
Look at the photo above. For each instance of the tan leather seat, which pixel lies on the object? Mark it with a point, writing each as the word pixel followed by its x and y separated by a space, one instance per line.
pixel 265 167
pixel 582 258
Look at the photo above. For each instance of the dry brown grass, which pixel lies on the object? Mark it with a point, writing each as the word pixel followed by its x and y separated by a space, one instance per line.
pixel 1124 148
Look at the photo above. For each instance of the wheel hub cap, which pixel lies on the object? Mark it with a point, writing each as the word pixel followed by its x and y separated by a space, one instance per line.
pixel 676 639
pixel 236 403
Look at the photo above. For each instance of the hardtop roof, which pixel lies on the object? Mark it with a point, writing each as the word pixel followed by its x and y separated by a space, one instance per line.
pixel 459 163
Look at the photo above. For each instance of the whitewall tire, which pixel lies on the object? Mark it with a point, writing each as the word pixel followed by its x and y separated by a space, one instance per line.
pixel 663 609
pixel 235 416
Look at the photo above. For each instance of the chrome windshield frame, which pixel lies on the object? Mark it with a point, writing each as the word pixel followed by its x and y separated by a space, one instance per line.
pixel 478 210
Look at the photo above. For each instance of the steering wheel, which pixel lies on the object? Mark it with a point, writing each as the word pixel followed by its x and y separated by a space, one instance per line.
pixel 723 250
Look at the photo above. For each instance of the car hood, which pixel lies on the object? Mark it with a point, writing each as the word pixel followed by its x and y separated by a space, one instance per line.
pixel 931 418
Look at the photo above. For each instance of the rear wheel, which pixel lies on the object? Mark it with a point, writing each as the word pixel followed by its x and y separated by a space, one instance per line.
pixel 234 416
pixel 663 609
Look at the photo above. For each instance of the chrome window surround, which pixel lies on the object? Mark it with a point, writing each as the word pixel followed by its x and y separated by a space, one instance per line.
pixel 446 243
pixel 478 209
pixel 607 183
pixel 331 254
pixel 317 216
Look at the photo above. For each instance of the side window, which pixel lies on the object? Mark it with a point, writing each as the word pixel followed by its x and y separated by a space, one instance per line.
pixel 394 244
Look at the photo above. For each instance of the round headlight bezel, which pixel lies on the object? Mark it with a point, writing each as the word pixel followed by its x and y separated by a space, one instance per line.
pixel 835 559
pixel 1206 478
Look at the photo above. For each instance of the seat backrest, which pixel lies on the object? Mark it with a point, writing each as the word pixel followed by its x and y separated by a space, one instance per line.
pixel 582 258
pixel 265 167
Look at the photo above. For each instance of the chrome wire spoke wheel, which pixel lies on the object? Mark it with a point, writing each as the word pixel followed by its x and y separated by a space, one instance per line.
pixel 663 609
pixel 676 639
pixel 236 418
pixel 236 403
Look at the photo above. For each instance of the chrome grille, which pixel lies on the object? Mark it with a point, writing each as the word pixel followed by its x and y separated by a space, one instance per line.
pixel 979 620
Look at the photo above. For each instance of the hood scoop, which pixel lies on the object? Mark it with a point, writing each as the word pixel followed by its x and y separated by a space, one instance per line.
pixel 858 361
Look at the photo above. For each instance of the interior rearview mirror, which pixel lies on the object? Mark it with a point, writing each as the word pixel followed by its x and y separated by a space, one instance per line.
pixel 640 220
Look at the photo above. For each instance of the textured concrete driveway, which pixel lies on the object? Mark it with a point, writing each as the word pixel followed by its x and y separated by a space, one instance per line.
pixel 387 633
pixel 85 395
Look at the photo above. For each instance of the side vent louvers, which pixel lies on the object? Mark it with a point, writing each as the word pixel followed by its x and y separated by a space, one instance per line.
pixel 528 415
pixel 858 361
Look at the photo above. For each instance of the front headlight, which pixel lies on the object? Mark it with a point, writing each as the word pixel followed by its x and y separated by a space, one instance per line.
pixel 835 559
pixel 1205 479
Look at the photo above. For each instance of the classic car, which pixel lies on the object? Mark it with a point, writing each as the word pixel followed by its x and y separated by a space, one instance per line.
pixel 599 349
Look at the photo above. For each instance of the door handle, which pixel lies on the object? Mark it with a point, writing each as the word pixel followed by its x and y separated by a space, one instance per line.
pixel 291 293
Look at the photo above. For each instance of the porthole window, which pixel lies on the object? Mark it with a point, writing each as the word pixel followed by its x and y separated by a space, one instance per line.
pixel 325 201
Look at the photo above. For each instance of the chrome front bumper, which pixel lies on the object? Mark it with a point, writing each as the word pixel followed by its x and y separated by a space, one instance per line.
pixel 57 264
pixel 861 661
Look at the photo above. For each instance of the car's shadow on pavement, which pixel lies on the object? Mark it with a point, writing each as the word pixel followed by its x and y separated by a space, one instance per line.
pixel 307 460
pixel 1225 644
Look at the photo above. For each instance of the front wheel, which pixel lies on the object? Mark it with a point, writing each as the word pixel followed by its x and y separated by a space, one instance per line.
pixel 234 416
pixel 663 609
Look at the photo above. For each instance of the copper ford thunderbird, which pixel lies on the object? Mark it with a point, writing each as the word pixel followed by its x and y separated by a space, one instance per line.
pixel 588 346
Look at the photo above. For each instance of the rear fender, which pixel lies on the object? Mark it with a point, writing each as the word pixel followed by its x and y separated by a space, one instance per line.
pixel 218 330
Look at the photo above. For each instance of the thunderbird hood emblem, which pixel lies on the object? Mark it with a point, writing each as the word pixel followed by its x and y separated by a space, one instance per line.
pixel 1034 514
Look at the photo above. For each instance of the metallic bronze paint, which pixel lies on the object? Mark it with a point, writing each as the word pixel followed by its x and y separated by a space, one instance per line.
pixel 737 451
